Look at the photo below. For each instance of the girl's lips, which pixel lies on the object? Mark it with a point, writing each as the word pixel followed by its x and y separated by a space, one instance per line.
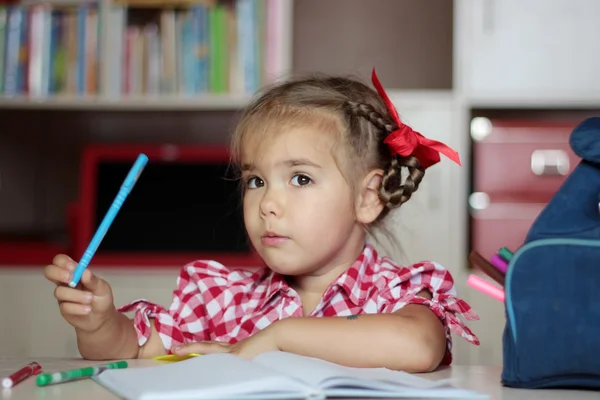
pixel 273 240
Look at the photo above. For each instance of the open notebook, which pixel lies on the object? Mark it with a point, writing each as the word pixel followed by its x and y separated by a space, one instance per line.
pixel 273 375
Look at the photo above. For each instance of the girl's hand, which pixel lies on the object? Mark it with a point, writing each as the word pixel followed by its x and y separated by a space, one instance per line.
pixel 86 307
pixel 260 342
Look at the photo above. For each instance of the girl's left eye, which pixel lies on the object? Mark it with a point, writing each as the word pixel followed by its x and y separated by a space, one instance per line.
pixel 301 180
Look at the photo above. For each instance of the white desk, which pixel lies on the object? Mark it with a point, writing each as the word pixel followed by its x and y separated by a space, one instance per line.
pixel 481 379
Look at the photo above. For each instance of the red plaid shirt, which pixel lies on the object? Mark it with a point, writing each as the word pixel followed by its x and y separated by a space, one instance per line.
pixel 212 302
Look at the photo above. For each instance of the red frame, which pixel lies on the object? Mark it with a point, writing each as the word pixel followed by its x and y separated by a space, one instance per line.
pixel 84 225
pixel 28 253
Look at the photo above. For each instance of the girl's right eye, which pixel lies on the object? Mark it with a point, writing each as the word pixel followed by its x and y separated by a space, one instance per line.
pixel 254 182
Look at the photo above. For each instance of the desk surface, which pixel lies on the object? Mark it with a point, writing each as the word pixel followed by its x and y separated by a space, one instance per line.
pixel 481 379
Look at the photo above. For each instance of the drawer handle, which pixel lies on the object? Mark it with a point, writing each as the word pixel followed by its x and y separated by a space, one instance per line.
pixel 550 162
pixel 479 201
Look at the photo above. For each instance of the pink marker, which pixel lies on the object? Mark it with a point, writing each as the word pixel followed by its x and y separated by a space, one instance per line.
pixel 486 287
pixel 499 263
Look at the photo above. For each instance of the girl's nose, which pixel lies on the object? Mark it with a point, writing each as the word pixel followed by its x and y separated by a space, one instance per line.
pixel 270 204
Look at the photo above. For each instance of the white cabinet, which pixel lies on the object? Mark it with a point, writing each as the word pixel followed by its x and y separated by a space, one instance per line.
pixel 528 50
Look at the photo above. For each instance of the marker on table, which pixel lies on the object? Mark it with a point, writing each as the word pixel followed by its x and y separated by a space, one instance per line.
pixel 499 263
pixel 505 253
pixel 74 374
pixel 175 358
pixel 486 287
pixel 126 187
pixel 477 260
pixel 30 369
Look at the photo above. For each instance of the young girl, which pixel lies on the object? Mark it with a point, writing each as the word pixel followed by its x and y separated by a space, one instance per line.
pixel 321 161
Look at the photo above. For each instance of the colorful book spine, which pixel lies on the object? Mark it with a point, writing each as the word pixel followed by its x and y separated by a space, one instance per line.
pixel 258 50
pixel 90 52
pixel 246 42
pixel 201 16
pixel 59 64
pixel 13 49
pixel 3 28
pixel 46 52
pixel 218 49
pixel 168 55
pixel 81 40
pixel 115 49
pixel 37 45
pixel 152 43
pixel 188 56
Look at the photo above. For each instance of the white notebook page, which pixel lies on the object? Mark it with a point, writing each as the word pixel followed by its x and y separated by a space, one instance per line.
pixel 208 376
pixel 321 374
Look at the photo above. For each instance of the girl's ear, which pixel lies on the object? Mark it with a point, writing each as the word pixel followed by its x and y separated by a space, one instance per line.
pixel 368 205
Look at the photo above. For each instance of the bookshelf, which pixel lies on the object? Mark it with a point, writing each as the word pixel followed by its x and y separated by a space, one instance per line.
pixel 141 54
pixel 207 102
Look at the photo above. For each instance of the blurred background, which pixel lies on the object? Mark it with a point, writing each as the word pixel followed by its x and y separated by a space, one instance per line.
pixel 85 86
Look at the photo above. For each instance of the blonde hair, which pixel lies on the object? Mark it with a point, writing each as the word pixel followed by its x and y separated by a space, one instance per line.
pixel 342 105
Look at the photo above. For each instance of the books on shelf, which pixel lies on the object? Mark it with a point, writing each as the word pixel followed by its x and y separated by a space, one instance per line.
pixel 115 49
pixel 272 375
pixel 49 51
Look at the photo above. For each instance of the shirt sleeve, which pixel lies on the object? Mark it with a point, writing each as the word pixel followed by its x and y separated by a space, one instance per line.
pixel 444 303
pixel 184 321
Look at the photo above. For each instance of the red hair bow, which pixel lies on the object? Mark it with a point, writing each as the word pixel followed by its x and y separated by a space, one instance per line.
pixel 405 141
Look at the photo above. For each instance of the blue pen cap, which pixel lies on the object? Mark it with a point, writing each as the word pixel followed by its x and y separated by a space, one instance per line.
pixel 135 172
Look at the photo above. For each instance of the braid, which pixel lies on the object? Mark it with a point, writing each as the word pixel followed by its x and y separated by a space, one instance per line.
pixel 367 112
pixel 392 192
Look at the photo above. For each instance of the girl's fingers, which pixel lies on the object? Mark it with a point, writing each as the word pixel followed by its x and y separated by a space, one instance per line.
pixel 64 261
pixel 94 284
pixel 70 295
pixel 57 275
pixel 67 308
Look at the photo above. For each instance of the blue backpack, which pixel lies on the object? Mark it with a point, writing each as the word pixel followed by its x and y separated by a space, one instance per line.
pixel 552 332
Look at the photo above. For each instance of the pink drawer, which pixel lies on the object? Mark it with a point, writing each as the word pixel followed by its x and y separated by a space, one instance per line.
pixel 516 163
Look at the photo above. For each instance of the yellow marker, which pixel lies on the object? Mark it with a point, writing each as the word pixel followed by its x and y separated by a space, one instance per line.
pixel 175 357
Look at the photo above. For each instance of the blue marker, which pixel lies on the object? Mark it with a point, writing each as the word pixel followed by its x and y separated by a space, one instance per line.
pixel 126 187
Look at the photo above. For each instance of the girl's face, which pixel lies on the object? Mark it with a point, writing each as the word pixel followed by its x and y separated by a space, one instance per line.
pixel 298 208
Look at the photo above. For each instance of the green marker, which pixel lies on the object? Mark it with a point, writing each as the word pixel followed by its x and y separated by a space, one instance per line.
pixel 74 374
pixel 505 253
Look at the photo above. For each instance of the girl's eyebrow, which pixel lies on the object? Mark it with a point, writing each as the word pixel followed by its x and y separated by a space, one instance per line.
pixel 294 162
pixel 300 162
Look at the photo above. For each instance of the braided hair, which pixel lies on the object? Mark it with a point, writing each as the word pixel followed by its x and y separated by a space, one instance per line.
pixel 392 192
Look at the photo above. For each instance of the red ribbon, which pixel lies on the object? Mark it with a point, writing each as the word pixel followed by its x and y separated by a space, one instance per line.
pixel 405 141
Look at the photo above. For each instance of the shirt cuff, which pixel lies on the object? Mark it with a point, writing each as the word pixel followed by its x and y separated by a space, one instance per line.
pixel 164 323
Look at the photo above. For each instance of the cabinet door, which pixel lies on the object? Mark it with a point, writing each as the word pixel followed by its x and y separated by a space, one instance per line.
pixel 535 50
pixel 421 228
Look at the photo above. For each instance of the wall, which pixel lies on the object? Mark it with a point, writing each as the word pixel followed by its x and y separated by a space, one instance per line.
pixel 409 42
